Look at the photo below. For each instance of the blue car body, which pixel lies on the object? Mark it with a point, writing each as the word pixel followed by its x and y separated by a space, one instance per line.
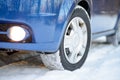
pixel 46 21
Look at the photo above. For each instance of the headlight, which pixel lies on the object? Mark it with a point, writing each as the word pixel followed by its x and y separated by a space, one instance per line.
pixel 16 33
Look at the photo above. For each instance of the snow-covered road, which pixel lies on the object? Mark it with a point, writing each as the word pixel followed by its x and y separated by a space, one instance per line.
pixel 103 63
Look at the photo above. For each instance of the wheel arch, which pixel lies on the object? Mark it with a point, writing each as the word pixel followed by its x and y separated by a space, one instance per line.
pixel 87 5
pixel 65 12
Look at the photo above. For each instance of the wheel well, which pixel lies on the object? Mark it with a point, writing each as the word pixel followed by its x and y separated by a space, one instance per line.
pixel 85 5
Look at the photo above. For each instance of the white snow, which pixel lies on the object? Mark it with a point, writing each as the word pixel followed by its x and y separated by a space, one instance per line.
pixel 103 63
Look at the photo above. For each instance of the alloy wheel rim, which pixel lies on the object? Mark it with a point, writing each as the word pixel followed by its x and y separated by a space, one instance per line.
pixel 75 40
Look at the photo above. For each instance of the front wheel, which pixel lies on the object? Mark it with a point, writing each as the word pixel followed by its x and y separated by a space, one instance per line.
pixel 75 45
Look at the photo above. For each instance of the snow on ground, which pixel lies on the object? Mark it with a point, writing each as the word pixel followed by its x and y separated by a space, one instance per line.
pixel 103 63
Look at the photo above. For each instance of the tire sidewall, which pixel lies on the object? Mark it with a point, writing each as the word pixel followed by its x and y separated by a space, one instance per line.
pixel 78 12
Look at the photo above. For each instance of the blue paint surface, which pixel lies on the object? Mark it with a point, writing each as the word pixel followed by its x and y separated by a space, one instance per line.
pixel 47 20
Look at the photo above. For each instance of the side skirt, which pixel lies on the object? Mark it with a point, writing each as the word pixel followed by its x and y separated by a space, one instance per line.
pixel 104 33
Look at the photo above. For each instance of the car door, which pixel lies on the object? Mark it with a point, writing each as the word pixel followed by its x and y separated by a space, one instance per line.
pixel 104 15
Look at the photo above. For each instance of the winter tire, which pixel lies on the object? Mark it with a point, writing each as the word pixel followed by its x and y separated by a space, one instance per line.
pixel 75 45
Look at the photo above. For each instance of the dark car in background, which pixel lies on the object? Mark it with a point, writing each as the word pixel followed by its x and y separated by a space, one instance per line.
pixel 61 30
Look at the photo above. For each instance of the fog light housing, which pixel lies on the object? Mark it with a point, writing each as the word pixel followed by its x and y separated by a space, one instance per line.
pixel 17 33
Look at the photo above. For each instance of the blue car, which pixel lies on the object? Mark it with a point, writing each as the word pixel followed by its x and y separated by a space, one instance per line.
pixel 61 30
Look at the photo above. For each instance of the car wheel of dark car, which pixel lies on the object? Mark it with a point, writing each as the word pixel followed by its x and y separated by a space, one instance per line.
pixel 115 38
pixel 75 45
pixel 118 34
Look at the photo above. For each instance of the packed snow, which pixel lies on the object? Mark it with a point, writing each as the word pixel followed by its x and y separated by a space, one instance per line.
pixel 103 63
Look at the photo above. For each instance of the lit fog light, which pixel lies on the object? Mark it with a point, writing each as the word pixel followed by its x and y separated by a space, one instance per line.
pixel 16 33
